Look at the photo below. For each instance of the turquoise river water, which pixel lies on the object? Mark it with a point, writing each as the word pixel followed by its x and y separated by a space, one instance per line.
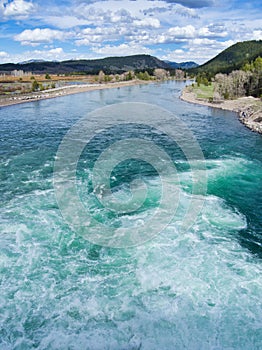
pixel 200 289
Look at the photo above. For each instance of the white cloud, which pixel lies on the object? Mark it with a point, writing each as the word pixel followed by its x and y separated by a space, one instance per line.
pixel 254 35
pixel 65 22
pixel 184 11
pixel 37 36
pixel 175 56
pixel 202 42
pixel 172 35
pixel 3 54
pixel 56 51
pixel 205 42
pixel 123 9
pixel 17 8
pixel 121 50
pixel 52 54
pixel 203 49
pixel 206 32
pixel 182 32
pixel 199 50
pixel 122 16
pixel 89 36
pixel 147 22
pixel 55 54
pixel 184 28
pixel 257 34
pixel 85 11
pixel 91 39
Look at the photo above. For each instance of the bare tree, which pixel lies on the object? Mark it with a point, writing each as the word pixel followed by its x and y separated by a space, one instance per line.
pixel 180 74
pixel 101 77
pixel 161 74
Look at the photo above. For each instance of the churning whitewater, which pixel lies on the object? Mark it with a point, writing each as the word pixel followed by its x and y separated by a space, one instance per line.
pixel 194 289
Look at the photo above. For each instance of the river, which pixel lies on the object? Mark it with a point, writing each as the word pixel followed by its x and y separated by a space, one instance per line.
pixel 199 288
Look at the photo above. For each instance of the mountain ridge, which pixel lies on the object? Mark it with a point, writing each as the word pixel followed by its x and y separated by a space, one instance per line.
pixel 182 65
pixel 108 65
pixel 232 58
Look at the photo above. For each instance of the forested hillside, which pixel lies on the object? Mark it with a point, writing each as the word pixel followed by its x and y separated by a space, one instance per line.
pixel 108 65
pixel 233 58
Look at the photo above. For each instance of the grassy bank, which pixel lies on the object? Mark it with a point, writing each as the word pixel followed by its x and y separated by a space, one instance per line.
pixel 203 91
pixel 249 109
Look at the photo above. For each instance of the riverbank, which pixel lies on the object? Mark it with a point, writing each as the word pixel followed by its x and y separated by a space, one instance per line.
pixel 63 91
pixel 249 109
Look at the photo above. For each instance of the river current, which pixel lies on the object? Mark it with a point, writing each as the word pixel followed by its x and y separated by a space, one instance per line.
pixel 196 289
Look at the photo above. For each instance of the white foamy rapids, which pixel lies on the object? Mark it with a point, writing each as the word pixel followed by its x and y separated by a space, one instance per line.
pixel 194 290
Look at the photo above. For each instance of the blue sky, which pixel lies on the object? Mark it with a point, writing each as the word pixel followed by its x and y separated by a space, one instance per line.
pixel 175 30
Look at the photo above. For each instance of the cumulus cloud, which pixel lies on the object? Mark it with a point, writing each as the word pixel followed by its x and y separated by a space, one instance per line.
pixel 55 54
pixel 182 32
pixel 17 8
pixel 65 22
pixel 102 16
pixel 172 35
pixel 121 50
pixel 56 51
pixel 3 54
pixel 198 50
pixel 91 14
pixel 205 42
pixel 97 35
pixel 186 28
pixel 37 36
pixel 174 55
pixel 122 16
pixel 212 32
pixel 254 35
pixel 202 42
pixel 202 50
pixel 52 54
pixel 184 11
pixel 147 22
pixel 257 34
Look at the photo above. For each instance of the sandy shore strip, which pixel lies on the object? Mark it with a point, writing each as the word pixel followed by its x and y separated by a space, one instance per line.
pixel 249 109
pixel 63 91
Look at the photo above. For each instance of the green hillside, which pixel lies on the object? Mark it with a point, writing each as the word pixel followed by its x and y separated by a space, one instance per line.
pixel 108 65
pixel 232 58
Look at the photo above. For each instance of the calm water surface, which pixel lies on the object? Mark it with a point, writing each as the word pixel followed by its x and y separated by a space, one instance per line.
pixel 197 290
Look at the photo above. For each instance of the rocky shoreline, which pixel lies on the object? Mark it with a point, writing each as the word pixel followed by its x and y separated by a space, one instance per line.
pixel 251 119
pixel 248 109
